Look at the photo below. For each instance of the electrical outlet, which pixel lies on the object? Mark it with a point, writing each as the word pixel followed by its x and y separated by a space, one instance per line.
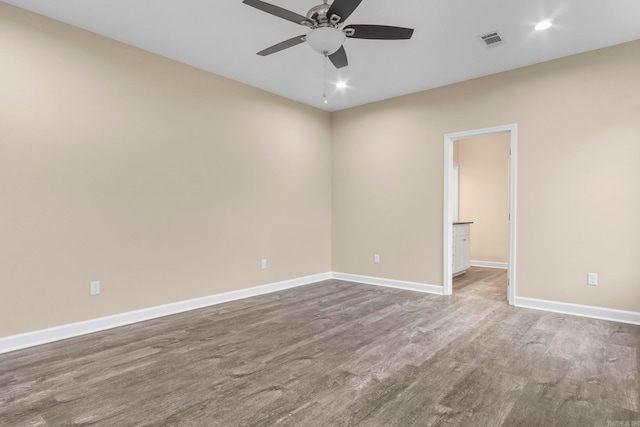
pixel 592 279
pixel 264 264
pixel 95 288
pixel 376 258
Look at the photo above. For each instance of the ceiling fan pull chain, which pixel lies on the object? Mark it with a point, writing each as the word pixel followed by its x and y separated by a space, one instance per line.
pixel 324 79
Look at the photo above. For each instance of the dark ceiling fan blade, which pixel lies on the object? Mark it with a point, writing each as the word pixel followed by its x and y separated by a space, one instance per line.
pixel 282 45
pixel 279 12
pixel 339 58
pixel 343 8
pixel 378 32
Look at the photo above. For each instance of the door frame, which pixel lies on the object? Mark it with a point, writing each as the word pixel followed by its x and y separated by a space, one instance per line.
pixel 449 139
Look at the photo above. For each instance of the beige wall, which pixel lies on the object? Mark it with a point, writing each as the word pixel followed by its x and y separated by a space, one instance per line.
pixel 167 183
pixel 578 177
pixel 484 194
pixel 161 181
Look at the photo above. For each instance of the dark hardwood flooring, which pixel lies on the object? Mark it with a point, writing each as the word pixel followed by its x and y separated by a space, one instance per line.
pixel 337 354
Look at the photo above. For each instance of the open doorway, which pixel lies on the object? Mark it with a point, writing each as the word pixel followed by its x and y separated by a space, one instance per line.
pixel 451 203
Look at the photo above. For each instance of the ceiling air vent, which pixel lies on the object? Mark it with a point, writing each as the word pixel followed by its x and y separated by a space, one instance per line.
pixel 491 39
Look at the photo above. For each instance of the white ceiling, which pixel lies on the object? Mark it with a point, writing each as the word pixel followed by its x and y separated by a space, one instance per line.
pixel 223 36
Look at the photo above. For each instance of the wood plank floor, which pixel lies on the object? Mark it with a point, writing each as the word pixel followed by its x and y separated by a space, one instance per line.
pixel 337 353
pixel 486 283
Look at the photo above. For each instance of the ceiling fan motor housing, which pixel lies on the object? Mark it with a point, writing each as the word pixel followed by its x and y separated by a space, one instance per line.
pixel 319 13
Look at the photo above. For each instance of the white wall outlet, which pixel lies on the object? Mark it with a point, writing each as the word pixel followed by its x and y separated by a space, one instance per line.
pixel 264 264
pixel 592 279
pixel 376 258
pixel 95 288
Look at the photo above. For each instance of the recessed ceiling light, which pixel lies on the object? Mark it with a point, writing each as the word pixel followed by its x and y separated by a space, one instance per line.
pixel 341 85
pixel 544 25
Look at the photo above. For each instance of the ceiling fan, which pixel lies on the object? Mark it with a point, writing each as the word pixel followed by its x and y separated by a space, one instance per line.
pixel 327 31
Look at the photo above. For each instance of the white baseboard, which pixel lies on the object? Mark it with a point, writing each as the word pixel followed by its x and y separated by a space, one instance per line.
pixel 601 313
pixel 490 264
pixel 43 336
pixel 390 283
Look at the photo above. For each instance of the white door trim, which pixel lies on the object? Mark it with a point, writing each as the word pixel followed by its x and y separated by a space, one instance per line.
pixel 448 203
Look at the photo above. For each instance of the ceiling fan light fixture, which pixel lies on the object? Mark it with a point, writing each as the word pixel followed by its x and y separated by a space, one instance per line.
pixel 326 40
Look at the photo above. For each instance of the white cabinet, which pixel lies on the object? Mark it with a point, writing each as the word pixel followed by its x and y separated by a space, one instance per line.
pixel 461 247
